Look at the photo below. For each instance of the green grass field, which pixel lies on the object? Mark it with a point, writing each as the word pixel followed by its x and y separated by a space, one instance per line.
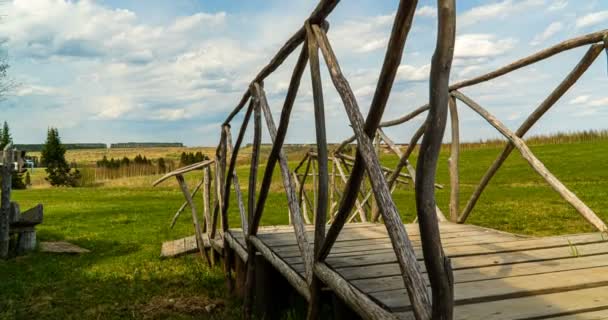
pixel 124 223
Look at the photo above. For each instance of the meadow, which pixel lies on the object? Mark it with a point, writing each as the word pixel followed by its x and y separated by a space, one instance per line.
pixel 124 221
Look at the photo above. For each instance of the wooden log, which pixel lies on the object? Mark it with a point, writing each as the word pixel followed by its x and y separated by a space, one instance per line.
pixel 536 164
pixel 541 55
pixel 5 200
pixel 182 170
pixel 412 275
pixel 358 204
pixel 555 95
pixel 273 157
pixel 222 156
pixel 405 118
pixel 255 161
pixel 207 200
pixel 234 152
pixel 236 246
pixel 294 208
pixel 183 206
pixel 253 174
pixel 322 186
pixel 356 299
pixel 302 199
pixel 454 158
pixel 197 227
pixel 292 276
pixel 437 263
pixel 321 11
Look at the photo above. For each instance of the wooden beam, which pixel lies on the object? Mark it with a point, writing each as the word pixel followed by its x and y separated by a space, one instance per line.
pixel 555 95
pixel 454 159
pixel 294 208
pixel 404 251
pixel 541 55
pixel 356 299
pixel 321 11
pixel 197 227
pixel 437 263
pixel 536 164
pixel 5 204
pixel 183 206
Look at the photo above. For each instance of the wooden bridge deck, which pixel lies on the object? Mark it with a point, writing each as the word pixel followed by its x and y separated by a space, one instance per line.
pixel 497 275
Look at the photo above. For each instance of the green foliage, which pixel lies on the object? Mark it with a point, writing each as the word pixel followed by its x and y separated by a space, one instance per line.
pixel 57 168
pixel 5 136
pixel 67 146
pixel 162 166
pixel 188 158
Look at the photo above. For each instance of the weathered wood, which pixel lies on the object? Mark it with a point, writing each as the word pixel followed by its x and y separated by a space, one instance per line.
pixel 405 118
pixel 280 133
pixel 412 276
pixel 541 55
pixel 302 199
pixel 182 170
pixel 197 227
pixel 453 161
pixel 360 208
pixel 294 208
pixel 207 199
pixel 253 174
pixel 321 11
pixel 5 201
pixel 236 246
pixel 536 164
pixel 183 206
pixel 234 152
pixel 293 277
pixel 555 95
pixel 356 299
pixel 322 187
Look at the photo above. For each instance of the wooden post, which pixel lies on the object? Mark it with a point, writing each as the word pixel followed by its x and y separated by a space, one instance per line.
pixel 197 227
pixel 179 211
pixel 557 93
pixel 412 276
pixel 322 194
pixel 536 164
pixel 5 203
pixel 437 263
pixel 454 158
pixel 207 200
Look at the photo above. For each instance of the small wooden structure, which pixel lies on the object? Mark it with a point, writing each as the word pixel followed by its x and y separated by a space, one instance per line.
pixel 433 269
pixel 14 223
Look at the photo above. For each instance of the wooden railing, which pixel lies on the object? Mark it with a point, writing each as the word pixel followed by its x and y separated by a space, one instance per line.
pixel 333 207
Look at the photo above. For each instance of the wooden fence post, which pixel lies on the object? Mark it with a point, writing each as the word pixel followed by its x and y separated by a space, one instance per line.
pixel 5 203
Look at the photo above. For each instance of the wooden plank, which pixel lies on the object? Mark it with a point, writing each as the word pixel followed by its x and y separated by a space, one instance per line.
pixel 389 283
pixel 181 246
pixel 535 306
pixel 505 260
pixel 585 315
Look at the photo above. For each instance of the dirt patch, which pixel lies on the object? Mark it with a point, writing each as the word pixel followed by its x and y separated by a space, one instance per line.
pixel 160 307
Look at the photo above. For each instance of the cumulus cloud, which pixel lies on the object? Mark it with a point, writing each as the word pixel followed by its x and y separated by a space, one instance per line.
pixel 557 5
pixel 426 11
pixel 496 10
pixel 362 35
pixel 579 99
pixel 549 32
pixel 480 45
pixel 592 19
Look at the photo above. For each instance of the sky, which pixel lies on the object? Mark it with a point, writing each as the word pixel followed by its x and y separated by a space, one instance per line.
pixel 171 70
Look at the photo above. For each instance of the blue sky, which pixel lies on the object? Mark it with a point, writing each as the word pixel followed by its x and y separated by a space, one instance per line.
pixel 115 71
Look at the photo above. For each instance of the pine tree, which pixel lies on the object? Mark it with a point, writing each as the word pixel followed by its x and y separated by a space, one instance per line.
pixel 5 136
pixel 28 179
pixel 57 168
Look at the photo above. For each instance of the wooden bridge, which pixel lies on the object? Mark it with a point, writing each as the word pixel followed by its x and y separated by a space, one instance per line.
pixel 367 259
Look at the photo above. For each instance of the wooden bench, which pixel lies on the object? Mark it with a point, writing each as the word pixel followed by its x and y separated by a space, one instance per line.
pixel 23 227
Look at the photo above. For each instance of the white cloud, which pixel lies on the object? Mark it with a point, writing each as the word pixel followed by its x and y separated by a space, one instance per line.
pixel 426 11
pixel 557 5
pixel 113 107
pixel 497 10
pixel 481 45
pixel 602 102
pixel 362 35
pixel 592 19
pixel 411 73
pixel 549 32
pixel 579 99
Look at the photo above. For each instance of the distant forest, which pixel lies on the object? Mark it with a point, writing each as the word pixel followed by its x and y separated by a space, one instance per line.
pixel 76 146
